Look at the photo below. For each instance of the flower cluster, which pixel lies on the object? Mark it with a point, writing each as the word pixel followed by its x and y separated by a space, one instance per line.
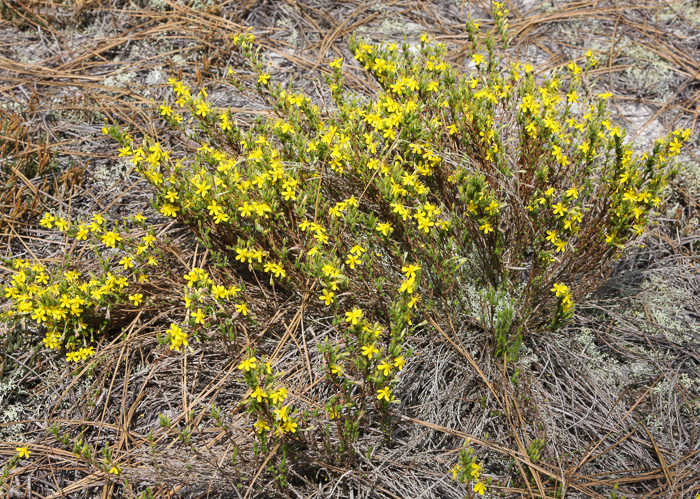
pixel 467 470
pixel 70 304
pixel 565 306
pixel 267 401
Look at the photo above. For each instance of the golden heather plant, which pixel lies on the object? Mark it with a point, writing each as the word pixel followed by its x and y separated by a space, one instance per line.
pixel 75 301
pixel 488 195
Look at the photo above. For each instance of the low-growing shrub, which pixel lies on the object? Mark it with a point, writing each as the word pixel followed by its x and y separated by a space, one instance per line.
pixel 489 196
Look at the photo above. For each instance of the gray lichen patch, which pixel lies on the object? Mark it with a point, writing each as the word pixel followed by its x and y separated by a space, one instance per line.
pixel 649 74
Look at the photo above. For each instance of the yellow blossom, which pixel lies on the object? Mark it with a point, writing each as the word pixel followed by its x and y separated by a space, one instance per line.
pixel 248 364
pixel 353 316
pixel 559 289
pixel 327 297
pixel 369 350
pixel 198 316
pixel 385 367
pixel 47 220
pixel 110 238
pixel 259 394
pixel 384 393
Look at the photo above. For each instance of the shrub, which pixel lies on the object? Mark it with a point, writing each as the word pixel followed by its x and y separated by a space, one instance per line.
pixel 490 196
pixel 73 303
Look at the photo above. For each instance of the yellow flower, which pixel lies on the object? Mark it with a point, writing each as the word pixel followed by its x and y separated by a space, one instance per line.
pixel 407 286
pixel 82 233
pixel 169 210
pixel 486 227
pixel 399 362
pixel 110 238
pixel 242 308
pixel 410 270
pixel 353 316
pixel 71 275
pixel 385 367
pixel 202 109
pixel 47 220
pixel 281 393
pixel 384 393
pixel 559 209
pixel 559 289
pixel 337 63
pixel 336 369
pixel 357 250
pixel 214 208
pixel 198 316
pixel 327 297
pixel 290 426
pixel 476 470
pixel 177 336
pixel 259 394
pixel 263 77
pixel 127 262
pixel 22 452
pixel 62 224
pixel 202 187
pixel 261 426
pixel 289 193
pixel 221 217
pixel 352 261
pixel 369 350
pixel 478 59
pixel 219 292
pixel 248 364
pixel 561 246
pixel 385 228
pixel 136 299
pixel 115 470
pixel 281 414
pixel 479 488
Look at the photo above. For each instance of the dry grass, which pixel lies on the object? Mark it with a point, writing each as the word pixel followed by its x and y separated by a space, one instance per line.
pixel 616 395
